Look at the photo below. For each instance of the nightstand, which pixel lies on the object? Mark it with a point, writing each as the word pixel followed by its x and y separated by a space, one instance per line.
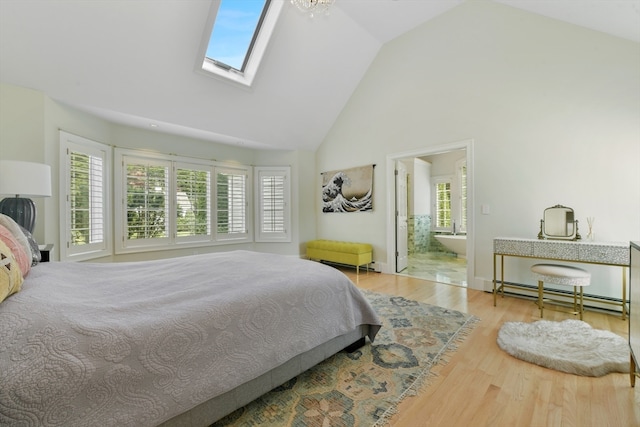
pixel 45 252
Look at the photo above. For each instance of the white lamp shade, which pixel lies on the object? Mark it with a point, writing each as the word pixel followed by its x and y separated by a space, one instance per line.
pixel 25 179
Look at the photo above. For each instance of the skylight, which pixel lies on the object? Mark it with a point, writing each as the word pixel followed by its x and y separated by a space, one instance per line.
pixel 239 33
pixel 237 24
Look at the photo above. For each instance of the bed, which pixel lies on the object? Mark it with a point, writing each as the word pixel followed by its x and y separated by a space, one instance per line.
pixel 181 341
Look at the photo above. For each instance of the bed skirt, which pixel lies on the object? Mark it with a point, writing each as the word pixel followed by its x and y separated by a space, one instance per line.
pixel 212 410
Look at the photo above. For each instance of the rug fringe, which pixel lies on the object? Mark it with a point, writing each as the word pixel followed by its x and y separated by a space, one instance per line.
pixel 426 376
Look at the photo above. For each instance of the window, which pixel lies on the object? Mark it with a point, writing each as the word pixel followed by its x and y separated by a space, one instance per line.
pixel 231 203
pixel 146 199
pixel 272 204
pixel 193 202
pixel 238 35
pixel 450 200
pixel 85 190
pixel 461 167
pixel 234 32
pixel 165 201
pixel 443 205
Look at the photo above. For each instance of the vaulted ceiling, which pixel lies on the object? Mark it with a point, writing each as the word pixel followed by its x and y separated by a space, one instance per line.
pixel 135 62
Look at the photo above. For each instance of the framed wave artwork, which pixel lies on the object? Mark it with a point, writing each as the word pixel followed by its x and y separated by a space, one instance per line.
pixel 348 190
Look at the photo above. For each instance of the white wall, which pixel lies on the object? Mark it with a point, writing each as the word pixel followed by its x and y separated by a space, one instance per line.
pixel 553 110
pixel 445 163
pixel 23 139
pixel 29 127
pixel 421 187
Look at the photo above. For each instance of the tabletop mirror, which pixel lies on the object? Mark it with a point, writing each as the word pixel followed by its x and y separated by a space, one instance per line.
pixel 558 223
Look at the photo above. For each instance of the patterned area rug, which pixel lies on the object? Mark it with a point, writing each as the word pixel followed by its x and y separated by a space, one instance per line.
pixel 363 388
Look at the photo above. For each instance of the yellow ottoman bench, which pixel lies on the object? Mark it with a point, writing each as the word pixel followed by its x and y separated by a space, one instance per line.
pixel 349 253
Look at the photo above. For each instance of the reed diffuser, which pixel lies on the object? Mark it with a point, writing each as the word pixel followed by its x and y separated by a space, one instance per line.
pixel 590 235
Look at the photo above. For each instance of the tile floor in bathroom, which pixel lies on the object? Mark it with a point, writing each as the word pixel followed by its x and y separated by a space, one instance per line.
pixel 438 267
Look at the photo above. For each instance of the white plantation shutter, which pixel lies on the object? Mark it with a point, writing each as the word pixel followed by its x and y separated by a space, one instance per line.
pixel 231 203
pixel 272 204
pixel 462 179
pixel 146 201
pixel 85 220
pixel 87 188
pixel 193 202
pixel 443 205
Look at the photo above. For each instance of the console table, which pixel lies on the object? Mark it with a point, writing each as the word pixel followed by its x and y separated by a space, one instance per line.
pixel 603 253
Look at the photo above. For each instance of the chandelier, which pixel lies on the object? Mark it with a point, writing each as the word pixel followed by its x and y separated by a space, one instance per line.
pixel 313 6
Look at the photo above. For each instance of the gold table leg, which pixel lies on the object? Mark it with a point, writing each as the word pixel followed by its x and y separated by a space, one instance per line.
pixel 494 280
pixel 497 288
pixel 624 293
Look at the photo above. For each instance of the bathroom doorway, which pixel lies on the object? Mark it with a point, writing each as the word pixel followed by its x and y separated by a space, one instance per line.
pixel 438 215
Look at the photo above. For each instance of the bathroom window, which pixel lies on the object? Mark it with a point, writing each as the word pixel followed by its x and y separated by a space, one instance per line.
pixel 449 200
pixel 443 205
pixel 461 168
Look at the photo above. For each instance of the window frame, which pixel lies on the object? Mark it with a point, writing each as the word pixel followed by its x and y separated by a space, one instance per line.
pixel 123 244
pixel 234 237
pixel 261 234
pixel 220 41
pixel 197 166
pixel 462 195
pixel 173 241
pixel 259 45
pixel 435 182
pixel 68 251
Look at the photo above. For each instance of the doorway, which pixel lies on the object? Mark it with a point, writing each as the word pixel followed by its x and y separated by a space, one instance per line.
pixel 417 179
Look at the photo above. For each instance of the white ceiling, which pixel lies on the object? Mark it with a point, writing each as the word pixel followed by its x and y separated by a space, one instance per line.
pixel 134 62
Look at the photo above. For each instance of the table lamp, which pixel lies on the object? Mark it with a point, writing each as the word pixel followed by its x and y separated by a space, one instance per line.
pixel 23 180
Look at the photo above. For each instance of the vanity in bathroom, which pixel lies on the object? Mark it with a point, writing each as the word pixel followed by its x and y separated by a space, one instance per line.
pixel 559 240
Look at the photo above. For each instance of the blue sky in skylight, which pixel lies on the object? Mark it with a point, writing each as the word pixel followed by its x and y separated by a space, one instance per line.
pixel 233 30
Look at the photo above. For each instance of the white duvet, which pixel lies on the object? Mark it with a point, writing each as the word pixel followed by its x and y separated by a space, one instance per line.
pixel 134 344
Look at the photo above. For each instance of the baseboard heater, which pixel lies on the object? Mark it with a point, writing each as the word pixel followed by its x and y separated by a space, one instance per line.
pixel 592 301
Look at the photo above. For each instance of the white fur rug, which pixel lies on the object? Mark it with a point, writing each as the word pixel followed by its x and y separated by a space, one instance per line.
pixel 571 346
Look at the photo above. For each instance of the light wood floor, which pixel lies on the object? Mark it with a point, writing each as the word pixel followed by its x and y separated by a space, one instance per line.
pixel 483 386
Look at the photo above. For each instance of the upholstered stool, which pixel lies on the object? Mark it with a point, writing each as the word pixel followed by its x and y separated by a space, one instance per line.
pixel 562 275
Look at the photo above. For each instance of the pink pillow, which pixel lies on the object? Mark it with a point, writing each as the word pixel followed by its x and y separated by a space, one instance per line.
pixel 15 229
pixel 23 259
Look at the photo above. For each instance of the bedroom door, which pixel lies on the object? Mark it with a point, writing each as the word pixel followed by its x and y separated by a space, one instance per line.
pixel 402 230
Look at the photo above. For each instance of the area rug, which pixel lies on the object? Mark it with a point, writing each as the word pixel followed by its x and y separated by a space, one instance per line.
pixel 363 388
pixel 571 346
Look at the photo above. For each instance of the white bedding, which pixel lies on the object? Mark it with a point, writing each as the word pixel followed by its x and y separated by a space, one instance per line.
pixel 134 344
